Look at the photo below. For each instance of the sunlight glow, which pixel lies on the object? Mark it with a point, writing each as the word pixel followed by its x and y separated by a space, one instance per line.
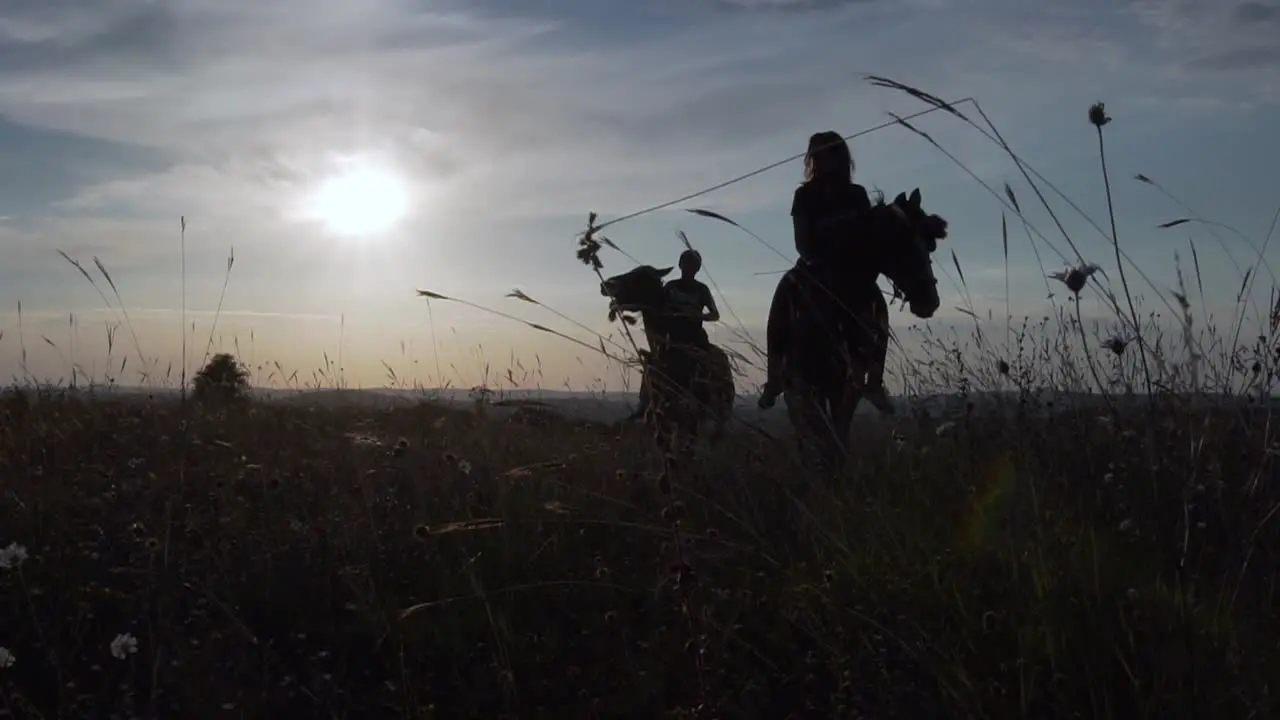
pixel 360 201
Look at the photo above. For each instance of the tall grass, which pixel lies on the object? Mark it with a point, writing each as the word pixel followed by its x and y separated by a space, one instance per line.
pixel 1040 537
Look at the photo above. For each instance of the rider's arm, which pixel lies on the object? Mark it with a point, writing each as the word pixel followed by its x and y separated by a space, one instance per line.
pixel 709 302
pixel 801 225
pixel 861 198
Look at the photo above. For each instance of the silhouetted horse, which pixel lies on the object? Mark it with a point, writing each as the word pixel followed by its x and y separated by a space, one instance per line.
pixel 836 316
pixel 682 382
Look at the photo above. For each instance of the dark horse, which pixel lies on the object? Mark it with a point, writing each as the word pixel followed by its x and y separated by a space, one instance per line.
pixel 682 381
pixel 837 316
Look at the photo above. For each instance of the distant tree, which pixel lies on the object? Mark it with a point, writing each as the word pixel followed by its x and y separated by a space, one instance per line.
pixel 223 378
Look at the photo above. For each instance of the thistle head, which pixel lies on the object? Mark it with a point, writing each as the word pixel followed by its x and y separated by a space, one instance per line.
pixel 1098 115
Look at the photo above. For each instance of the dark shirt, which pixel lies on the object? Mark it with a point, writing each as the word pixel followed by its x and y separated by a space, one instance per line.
pixel 688 298
pixel 824 214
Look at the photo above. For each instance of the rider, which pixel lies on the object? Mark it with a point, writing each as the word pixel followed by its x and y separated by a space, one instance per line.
pixel 822 213
pixel 687 298
pixel 692 301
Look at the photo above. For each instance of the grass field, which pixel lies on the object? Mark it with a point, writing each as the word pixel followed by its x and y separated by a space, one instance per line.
pixel 423 562
pixel 1024 557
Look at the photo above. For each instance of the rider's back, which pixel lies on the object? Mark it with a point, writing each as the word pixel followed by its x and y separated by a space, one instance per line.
pixel 826 214
pixel 687 297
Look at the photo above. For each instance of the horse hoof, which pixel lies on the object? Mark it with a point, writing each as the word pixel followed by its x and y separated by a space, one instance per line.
pixel 766 402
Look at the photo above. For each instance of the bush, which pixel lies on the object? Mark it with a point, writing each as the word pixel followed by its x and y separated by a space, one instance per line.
pixel 223 379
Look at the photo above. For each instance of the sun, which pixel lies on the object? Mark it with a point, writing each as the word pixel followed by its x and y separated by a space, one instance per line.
pixel 360 201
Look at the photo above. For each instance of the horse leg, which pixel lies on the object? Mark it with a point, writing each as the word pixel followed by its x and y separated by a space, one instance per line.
pixel 834 444
pixel 642 405
pixel 808 413
pixel 778 338
pixel 720 394
pixel 870 360
pixel 842 413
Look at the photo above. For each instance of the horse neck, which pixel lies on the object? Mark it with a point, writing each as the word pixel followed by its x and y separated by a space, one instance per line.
pixel 868 259
pixel 655 324
pixel 859 265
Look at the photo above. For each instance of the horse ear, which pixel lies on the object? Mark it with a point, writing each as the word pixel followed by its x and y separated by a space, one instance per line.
pixel 915 198
pixel 901 199
pixel 663 272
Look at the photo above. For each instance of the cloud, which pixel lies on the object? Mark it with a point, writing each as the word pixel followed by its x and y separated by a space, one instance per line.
pixel 1214 36
pixel 785 5
pixel 489 115
pixel 1241 59
pixel 498 117
pixel 1168 49
pixel 88 314
pixel 1254 12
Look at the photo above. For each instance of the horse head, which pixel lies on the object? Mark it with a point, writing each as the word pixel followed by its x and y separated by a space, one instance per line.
pixel 639 290
pixel 908 237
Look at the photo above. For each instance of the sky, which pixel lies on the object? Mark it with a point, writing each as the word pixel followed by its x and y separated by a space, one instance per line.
pixel 502 124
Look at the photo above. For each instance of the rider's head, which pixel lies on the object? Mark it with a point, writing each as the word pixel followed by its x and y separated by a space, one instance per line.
pixel 690 263
pixel 828 158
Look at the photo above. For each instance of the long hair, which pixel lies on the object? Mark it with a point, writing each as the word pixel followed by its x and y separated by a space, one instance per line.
pixel 828 158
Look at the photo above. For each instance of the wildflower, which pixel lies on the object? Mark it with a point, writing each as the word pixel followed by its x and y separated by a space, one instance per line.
pixel 1116 345
pixel 464 467
pixel 1098 115
pixel 12 556
pixel 123 646
pixel 1075 278
pixel 6 658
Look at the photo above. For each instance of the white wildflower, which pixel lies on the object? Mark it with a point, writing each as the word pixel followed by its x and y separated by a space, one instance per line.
pixel 12 556
pixel 6 658
pixel 123 646
pixel 464 466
